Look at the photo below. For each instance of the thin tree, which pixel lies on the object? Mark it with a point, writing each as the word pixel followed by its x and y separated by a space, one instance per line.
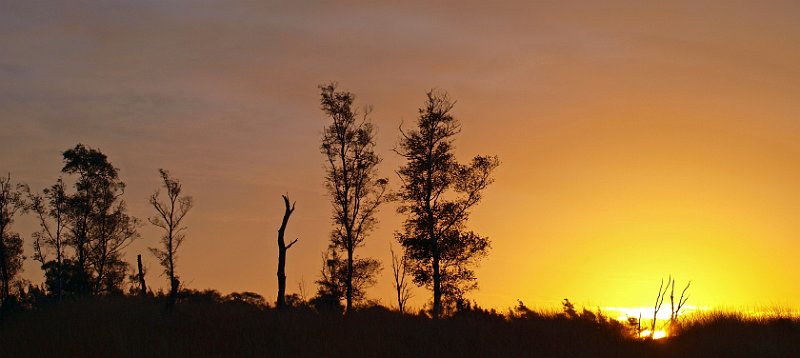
pixel 51 210
pixel 436 196
pixel 11 202
pixel 169 218
pixel 662 293
pixel 282 248
pixel 351 178
pixel 140 277
pixel 675 307
pixel 401 286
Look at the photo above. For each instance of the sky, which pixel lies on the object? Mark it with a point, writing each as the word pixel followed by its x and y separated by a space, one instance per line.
pixel 638 139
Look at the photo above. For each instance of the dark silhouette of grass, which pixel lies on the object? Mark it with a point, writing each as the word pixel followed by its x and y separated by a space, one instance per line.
pixel 734 334
pixel 126 326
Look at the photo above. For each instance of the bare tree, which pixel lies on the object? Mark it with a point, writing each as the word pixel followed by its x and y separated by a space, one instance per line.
pixel 662 293
pixel 11 202
pixel 675 307
pixel 436 196
pixel 169 218
pixel 401 286
pixel 348 144
pixel 51 209
pixel 282 248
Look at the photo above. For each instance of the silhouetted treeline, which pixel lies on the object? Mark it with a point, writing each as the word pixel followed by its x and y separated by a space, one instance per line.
pixel 83 231
pixel 85 227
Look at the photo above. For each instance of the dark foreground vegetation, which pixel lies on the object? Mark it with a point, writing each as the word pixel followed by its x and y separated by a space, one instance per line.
pixel 205 324
pixel 733 334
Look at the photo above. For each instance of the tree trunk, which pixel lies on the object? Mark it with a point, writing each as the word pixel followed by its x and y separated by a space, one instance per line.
pixel 282 248
pixel 142 285
pixel 174 283
pixel 60 260
pixel 437 280
pixel 173 293
pixel 399 298
pixel 437 285
pixel 349 280
pixel 281 303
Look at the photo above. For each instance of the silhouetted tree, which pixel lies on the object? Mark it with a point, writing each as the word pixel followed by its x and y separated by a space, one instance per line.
pixel 248 298
pixel 100 227
pixel 51 209
pixel 436 196
pixel 675 307
pixel 114 277
pixel 351 179
pixel 140 277
pixel 63 278
pixel 169 218
pixel 11 202
pixel 282 248
pixel 401 286
pixel 332 286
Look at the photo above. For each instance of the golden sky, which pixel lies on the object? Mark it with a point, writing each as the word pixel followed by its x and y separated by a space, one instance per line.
pixel 638 139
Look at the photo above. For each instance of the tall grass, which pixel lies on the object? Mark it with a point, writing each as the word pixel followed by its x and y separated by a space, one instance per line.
pixel 125 326
pixel 121 326
pixel 736 334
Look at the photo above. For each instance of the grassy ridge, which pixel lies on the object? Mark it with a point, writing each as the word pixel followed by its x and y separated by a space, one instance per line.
pixel 733 334
pixel 119 326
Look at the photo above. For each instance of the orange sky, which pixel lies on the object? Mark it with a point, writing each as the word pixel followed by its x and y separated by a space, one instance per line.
pixel 638 139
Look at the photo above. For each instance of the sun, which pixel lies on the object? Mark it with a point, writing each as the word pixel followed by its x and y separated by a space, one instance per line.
pixel 657 335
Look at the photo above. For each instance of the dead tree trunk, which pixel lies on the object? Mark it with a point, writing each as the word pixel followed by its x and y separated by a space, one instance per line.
pixel 676 310
pixel 142 285
pixel 399 266
pixel 174 287
pixel 662 292
pixel 282 248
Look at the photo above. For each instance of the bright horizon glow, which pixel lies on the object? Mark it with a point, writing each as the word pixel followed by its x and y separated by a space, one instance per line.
pixel 646 313
pixel 660 333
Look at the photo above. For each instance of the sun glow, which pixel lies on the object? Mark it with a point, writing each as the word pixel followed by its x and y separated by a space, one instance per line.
pixel 646 313
pixel 657 335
